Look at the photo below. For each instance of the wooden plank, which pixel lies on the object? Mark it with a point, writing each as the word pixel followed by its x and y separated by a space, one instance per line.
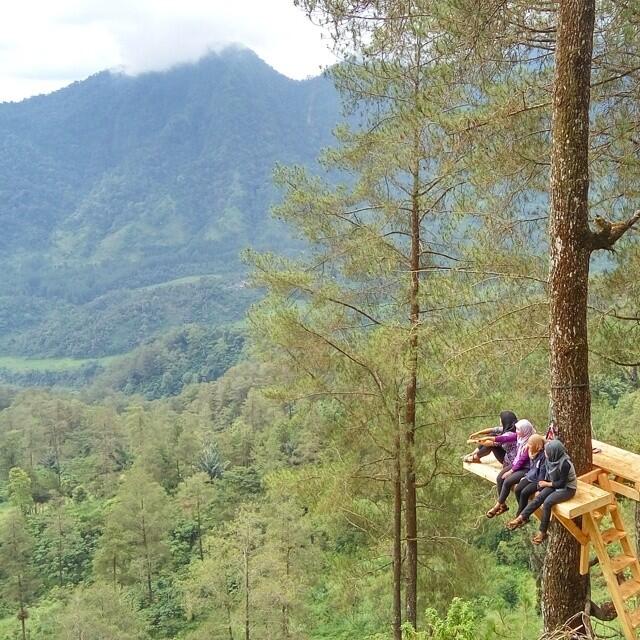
pixel 629 589
pixel 587 498
pixel 488 469
pixel 591 476
pixel 609 536
pixel 621 562
pixel 624 490
pixel 635 618
pixel 619 462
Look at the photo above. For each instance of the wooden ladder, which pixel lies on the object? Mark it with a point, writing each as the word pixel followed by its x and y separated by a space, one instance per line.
pixel 621 571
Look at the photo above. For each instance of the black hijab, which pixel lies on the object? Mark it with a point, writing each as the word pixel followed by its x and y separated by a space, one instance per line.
pixel 508 420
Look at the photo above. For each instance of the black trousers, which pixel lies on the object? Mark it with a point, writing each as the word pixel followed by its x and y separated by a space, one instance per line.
pixel 504 484
pixel 524 491
pixel 547 498
pixel 498 452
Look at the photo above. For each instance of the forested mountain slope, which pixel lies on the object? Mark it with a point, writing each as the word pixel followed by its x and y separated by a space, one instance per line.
pixel 117 183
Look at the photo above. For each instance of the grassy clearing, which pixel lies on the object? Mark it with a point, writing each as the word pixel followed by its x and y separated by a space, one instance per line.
pixel 18 364
pixel 182 281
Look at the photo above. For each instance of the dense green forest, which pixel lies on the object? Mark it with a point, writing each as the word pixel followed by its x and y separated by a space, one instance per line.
pixel 132 519
pixel 125 201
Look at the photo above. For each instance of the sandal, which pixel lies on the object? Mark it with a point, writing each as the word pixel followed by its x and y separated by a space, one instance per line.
pixel 539 538
pixel 497 510
pixel 516 523
pixel 472 457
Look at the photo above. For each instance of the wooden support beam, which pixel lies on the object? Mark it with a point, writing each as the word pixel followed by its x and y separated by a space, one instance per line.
pixel 591 476
pixel 573 529
pixel 585 564
pixel 624 490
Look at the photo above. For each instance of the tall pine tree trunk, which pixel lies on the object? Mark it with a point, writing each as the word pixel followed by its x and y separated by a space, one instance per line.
pixel 397 535
pixel 199 521
pixel 22 612
pixel 247 625
pixel 411 516
pixel 565 590
pixel 147 557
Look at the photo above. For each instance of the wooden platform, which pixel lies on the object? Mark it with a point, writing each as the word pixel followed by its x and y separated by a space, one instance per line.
pixel 588 497
pixel 621 463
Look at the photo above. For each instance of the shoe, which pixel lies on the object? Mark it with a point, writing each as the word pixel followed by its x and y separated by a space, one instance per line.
pixel 516 523
pixel 539 538
pixel 497 510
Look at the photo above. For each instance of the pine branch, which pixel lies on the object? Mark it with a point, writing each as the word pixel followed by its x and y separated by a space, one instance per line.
pixel 347 355
pixel 614 314
pixel 515 276
pixel 613 360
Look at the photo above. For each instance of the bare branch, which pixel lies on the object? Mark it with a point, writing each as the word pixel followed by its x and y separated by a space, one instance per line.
pixel 494 340
pixel 610 232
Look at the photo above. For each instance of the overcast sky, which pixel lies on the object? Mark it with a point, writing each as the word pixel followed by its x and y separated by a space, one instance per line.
pixel 47 44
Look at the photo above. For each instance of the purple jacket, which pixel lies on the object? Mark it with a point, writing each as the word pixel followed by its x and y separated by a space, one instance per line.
pixel 509 447
pixel 520 461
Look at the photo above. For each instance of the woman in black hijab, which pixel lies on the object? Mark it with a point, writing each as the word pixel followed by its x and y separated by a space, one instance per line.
pixel 559 485
pixel 508 421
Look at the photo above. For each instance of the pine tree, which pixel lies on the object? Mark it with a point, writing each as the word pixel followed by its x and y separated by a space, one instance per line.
pixel 20 489
pixel 195 495
pixel 139 522
pixel 16 552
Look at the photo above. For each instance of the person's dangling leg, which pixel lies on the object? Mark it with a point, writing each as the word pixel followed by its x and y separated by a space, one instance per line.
pixel 536 503
pixel 555 497
pixel 524 491
pixel 499 507
pixel 500 480
pixel 507 483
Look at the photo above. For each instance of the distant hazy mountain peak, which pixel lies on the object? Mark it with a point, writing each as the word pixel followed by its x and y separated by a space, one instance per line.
pixel 121 181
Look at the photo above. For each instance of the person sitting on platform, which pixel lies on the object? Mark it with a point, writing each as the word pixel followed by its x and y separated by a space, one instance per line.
pixel 505 453
pixel 527 487
pixel 559 485
pixel 511 475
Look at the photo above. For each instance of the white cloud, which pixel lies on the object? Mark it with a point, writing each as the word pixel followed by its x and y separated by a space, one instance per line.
pixel 47 44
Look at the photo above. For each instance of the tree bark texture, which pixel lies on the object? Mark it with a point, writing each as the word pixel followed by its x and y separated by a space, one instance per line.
pixel 565 590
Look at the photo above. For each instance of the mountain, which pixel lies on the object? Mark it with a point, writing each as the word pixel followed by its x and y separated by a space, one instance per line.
pixel 124 201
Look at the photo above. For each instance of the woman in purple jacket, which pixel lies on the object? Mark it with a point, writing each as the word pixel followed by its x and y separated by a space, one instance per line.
pixel 511 475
